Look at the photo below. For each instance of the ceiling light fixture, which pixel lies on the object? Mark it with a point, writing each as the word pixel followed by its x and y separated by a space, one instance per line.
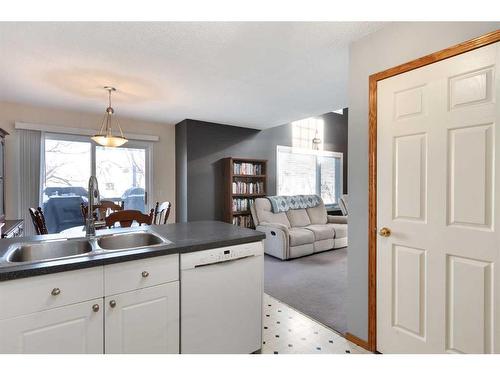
pixel 316 140
pixel 105 136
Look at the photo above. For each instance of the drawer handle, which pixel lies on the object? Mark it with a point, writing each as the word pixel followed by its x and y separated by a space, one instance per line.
pixel 112 303
pixel 145 274
pixel 95 307
pixel 55 291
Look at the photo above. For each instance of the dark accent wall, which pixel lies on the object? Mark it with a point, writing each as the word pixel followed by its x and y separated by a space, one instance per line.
pixel 200 146
pixel 181 172
pixel 335 138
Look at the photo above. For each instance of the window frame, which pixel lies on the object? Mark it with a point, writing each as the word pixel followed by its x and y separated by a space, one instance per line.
pixel 147 146
pixel 317 153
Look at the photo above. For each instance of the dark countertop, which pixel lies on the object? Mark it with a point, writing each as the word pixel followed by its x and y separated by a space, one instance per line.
pixel 184 237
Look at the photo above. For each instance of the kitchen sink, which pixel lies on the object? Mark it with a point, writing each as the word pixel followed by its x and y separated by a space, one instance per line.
pixel 64 248
pixel 38 251
pixel 130 241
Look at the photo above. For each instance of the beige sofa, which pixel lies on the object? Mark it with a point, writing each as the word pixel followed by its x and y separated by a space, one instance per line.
pixel 298 232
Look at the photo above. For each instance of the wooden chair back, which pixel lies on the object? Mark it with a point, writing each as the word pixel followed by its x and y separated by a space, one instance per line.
pixel 162 211
pixel 38 220
pixel 127 217
pixel 101 208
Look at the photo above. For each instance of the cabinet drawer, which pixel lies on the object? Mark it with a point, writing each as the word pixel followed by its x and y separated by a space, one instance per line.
pixel 122 277
pixel 38 293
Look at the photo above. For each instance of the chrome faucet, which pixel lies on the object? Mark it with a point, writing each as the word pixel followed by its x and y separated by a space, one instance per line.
pixel 92 201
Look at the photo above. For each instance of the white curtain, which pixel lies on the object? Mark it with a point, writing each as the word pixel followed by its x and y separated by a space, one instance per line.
pixel 30 143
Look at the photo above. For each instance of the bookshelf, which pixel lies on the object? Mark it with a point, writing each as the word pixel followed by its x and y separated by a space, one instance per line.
pixel 244 180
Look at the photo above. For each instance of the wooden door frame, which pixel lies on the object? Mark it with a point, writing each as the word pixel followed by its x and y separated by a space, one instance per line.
pixel 455 50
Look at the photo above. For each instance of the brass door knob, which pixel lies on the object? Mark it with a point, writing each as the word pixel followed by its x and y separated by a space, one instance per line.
pixel 112 303
pixel 145 274
pixel 385 232
pixel 55 291
pixel 95 307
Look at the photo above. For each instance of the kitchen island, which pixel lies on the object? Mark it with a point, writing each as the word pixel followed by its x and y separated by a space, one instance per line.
pixel 183 237
pixel 110 298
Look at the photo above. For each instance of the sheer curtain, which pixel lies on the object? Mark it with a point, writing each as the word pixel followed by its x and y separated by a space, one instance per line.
pixel 30 147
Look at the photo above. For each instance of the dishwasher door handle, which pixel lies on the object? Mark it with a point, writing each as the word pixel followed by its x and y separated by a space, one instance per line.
pixel 223 262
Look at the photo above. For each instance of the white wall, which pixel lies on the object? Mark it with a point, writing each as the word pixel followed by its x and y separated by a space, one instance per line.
pixel 393 45
pixel 163 151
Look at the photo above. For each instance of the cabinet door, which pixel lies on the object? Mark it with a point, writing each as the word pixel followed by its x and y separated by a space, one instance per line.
pixel 143 321
pixel 73 329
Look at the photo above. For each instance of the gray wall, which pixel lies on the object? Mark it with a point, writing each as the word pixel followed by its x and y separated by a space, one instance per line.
pixel 203 145
pixel 393 45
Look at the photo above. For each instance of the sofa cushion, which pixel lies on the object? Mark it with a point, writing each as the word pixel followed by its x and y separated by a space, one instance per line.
pixel 298 218
pixel 262 208
pixel 301 250
pixel 340 230
pixel 280 218
pixel 300 236
pixel 324 245
pixel 322 231
pixel 317 214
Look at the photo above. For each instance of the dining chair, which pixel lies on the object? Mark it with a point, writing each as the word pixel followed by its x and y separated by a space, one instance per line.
pixel 101 208
pixel 162 211
pixel 127 217
pixel 38 220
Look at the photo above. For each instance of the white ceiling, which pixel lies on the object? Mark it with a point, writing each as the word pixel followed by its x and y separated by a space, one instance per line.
pixel 259 74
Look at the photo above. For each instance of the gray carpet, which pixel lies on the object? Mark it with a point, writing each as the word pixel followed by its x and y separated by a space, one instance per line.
pixel 315 285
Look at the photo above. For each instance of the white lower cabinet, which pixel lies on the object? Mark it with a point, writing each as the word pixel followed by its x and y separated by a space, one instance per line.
pixel 76 329
pixel 74 311
pixel 143 320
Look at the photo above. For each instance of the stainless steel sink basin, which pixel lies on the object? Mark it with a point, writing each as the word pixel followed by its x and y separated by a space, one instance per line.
pixel 130 241
pixel 38 251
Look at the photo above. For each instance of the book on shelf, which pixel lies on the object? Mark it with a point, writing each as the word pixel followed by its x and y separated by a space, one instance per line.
pixel 244 181
pixel 247 168
pixel 243 221
pixel 240 187
pixel 242 204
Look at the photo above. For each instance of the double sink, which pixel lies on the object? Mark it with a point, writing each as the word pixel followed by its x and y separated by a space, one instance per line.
pixel 38 251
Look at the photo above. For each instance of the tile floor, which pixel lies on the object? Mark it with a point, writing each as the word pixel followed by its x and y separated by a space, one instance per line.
pixel 287 331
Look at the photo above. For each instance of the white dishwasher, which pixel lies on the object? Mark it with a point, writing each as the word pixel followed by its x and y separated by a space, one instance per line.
pixel 221 300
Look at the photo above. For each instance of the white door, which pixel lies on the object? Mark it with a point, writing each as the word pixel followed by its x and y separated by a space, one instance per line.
pixel 143 321
pixel 73 329
pixel 438 187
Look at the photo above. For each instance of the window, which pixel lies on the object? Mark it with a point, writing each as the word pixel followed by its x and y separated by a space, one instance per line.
pixel 305 131
pixel 305 171
pixel 69 161
pixel 121 173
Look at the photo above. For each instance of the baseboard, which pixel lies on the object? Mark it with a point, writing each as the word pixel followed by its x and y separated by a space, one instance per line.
pixel 356 340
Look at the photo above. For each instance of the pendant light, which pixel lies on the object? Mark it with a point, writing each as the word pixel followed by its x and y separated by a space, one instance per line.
pixel 316 141
pixel 105 136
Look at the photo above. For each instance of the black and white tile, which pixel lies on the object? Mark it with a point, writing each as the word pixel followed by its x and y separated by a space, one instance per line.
pixel 287 331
